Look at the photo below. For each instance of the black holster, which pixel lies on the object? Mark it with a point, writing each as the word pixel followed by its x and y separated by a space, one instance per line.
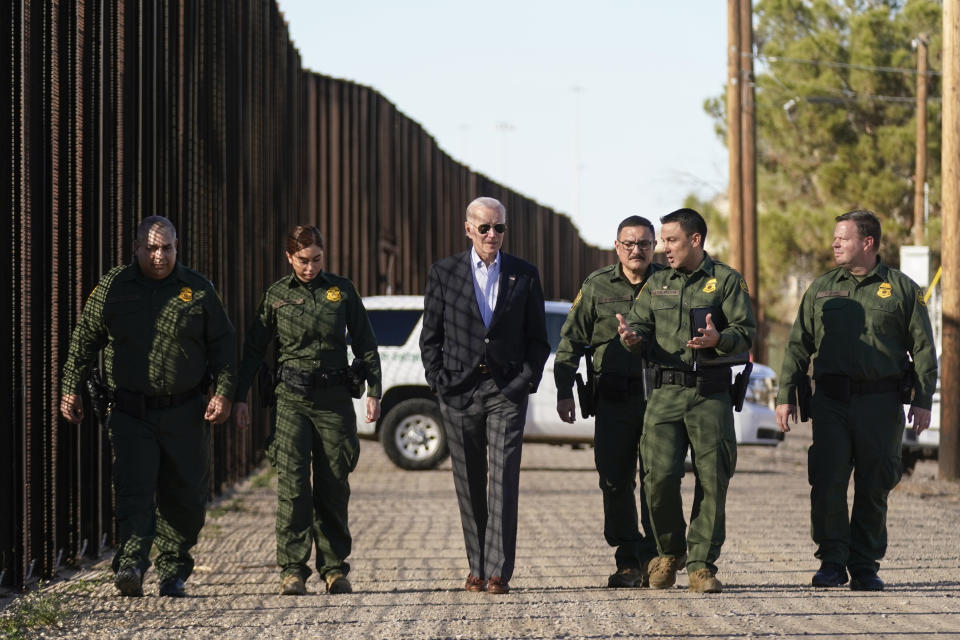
pixel 267 386
pixel 651 380
pixel 804 393
pixel 907 384
pixel 99 394
pixel 587 394
pixel 738 391
pixel 357 377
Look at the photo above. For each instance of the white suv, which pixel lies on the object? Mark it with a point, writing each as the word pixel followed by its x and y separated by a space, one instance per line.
pixel 411 428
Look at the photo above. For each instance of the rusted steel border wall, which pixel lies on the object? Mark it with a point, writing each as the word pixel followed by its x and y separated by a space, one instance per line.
pixel 201 111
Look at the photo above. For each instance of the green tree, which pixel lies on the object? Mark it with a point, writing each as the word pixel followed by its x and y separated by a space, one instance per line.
pixel 836 128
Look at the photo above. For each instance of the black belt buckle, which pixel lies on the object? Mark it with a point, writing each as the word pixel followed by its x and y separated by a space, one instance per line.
pixel 483 368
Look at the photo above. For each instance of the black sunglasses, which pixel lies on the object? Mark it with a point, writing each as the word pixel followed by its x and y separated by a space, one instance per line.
pixel 499 228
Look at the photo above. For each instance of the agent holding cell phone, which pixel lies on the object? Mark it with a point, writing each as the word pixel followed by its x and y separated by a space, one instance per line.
pixel 691 406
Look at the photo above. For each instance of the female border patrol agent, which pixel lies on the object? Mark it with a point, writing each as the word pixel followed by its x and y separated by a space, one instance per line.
pixel 309 313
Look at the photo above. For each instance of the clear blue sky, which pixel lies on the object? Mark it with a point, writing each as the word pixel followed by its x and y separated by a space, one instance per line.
pixel 496 83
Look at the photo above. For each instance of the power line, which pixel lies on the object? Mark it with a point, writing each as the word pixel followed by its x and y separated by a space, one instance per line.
pixel 839 65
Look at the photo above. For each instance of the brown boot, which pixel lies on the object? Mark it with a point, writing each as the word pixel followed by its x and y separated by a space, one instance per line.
pixel 663 571
pixel 704 581
pixel 337 583
pixel 292 586
pixel 628 577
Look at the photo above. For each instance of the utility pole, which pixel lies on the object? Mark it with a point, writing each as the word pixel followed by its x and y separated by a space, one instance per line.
pixel 748 171
pixel 949 454
pixel 921 165
pixel 734 140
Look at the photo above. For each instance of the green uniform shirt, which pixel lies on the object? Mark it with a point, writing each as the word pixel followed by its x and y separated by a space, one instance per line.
pixel 661 313
pixel 862 329
pixel 592 320
pixel 310 321
pixel 159 336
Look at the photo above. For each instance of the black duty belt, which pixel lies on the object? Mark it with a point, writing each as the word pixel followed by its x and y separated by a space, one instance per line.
pixel 858 387
pixel 678 376
pixel 302 379
pixel 134 403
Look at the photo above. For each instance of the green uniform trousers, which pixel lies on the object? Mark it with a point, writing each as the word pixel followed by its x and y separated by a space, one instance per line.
pixel 161 472
pixel 861 435
pixel 616 452
pixel 320 431
pixel 678 417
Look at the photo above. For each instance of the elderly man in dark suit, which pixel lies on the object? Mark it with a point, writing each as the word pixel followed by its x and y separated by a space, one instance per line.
pixel 484 344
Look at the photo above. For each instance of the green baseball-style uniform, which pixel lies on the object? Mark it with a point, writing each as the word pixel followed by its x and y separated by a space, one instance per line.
pixel 690 407
pixel 315 420
pixel 592 321
pixel 858 330
pixel 159 339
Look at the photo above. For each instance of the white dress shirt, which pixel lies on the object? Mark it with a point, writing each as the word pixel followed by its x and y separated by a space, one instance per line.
pixel 486 284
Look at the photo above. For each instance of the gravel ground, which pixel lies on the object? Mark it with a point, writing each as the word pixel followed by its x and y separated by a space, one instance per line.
pixel 409 566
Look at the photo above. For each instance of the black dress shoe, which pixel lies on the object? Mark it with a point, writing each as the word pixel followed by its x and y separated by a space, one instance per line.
pixel 830 575
pixel 129 582
pixel 865 580
pixel 173 588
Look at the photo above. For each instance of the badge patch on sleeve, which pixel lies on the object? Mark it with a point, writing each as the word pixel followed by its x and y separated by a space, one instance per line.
pixel 577 299
pixel 920 298
pixel 743 285
pixel 884 290
pixel 711 286
pixel 186 294
pixel 333 294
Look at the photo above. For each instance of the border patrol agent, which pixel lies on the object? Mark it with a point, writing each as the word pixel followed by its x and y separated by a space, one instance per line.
pixel 162 328
pixel 309 313
pixel 862 323
pixel 620 403
pixel 691 406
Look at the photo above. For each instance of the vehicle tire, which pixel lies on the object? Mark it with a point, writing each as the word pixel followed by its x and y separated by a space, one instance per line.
pixel 412 435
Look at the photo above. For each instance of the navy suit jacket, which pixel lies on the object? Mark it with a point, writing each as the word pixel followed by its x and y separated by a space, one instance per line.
pixel 454 341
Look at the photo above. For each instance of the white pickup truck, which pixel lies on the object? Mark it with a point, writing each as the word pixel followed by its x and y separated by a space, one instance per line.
pixel 410 427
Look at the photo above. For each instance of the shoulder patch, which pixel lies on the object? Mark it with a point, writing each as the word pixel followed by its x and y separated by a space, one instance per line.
pixel 921 299
pixel 577 299
pixel 743 285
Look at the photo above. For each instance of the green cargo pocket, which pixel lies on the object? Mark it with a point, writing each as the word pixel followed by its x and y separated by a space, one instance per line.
pixel 349 454
pixel 728 456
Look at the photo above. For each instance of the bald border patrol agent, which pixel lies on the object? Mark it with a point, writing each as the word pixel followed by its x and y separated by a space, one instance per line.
pixel 309 314
pixel 866 327
pixel 591 325
pixel 691 404
pixel 162 328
